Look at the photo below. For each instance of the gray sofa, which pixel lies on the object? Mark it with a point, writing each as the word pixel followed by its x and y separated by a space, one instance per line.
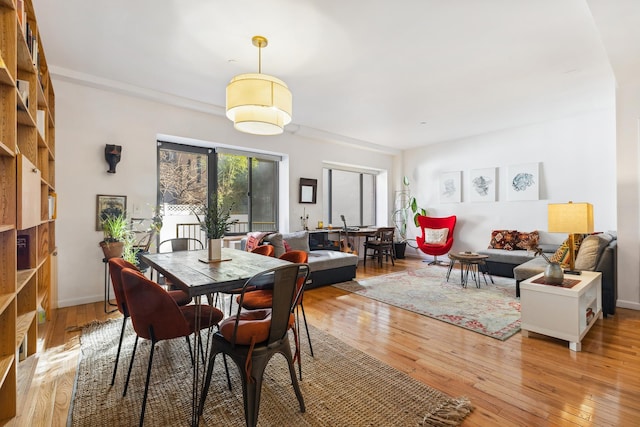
pixel 600 254
pixel 326 266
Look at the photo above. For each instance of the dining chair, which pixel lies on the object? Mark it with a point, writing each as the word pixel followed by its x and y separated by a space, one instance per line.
pixel 266 250
pixel 263 298
pixel 252 337
pixel 381 243
pixel 181 244
pixel 157 317
pixel 116 265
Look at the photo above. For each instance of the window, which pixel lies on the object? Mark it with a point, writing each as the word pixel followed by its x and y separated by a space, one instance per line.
pixel 246 181
pixel 349 193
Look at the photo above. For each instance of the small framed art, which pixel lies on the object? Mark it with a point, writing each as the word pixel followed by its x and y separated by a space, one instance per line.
pixel 107 205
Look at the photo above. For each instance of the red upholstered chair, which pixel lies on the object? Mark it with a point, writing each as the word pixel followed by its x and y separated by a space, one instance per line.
pixel 251 338
pixel 266 250
pixel 157 317
pixel 116 265
pixel 429 226
pixel 263 298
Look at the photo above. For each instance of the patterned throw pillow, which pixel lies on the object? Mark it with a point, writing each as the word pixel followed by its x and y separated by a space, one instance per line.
pixel 562 255
pixel 528 240
pixel 503 239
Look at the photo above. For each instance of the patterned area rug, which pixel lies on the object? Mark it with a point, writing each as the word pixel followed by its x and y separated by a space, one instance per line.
pixel 491 310
pixel 341 387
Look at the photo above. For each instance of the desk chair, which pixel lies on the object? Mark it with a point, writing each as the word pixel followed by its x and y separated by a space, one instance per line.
pixel 251 338
pixel 156 317
pixel 381 243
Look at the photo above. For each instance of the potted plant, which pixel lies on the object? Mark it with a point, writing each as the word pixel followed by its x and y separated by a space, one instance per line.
pixel 116 231
pixel 407 207
pixel 215 223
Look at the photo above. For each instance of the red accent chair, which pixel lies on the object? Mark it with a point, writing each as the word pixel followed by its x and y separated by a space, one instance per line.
pixel 266 250
pixel 435 249
pixel 116 265
pixel 263 298
pixel 156 317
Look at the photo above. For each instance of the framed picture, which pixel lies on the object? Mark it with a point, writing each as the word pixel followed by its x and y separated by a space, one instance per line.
pixel 450 191
pixel 308 190
pixel 109 205
pixel 482 184
pixel 523 182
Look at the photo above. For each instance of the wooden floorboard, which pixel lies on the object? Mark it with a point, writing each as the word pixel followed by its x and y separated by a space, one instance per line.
pixel 518 382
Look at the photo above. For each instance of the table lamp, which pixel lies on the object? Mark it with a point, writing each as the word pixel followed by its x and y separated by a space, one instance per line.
pixel 571 218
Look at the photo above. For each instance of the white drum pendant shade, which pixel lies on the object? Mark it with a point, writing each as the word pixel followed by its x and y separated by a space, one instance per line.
pixel 259 104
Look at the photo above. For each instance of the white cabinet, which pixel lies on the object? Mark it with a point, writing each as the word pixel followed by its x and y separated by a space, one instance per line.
pixel 561 312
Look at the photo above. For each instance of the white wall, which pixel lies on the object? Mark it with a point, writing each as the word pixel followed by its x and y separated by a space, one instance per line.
pixel 577 162
pixel 88 118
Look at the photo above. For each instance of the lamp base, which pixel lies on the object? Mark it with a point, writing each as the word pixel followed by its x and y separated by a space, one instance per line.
pixel 576 272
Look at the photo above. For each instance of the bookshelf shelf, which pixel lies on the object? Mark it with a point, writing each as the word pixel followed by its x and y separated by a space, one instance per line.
pixel 25 89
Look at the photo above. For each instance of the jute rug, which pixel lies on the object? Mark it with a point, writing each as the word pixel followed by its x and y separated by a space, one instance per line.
pixel 341 387
pixel 491 310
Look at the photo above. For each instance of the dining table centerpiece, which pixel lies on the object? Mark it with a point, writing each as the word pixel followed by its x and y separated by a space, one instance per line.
pixel 215 222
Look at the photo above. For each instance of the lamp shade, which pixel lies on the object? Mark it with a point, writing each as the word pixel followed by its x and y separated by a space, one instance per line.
pixel 259 104
pixel 570 217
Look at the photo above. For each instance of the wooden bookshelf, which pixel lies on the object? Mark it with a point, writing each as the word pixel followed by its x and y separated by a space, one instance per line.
pixel 27 179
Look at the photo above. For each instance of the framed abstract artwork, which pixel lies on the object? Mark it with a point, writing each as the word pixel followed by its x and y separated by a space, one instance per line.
pixel 109 206
pixel 482 185
pixel 523 182
pixel 450 190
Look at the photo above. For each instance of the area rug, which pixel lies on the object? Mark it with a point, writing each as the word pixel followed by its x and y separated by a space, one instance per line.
pixel 491 310
pixel 341 387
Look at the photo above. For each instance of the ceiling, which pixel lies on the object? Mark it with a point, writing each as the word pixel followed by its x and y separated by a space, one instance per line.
pixel 398 74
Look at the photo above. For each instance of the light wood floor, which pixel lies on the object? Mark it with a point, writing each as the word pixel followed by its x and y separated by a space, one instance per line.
pixel 534 381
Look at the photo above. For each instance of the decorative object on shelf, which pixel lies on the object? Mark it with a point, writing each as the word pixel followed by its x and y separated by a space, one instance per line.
pixel 257 103
pixel 572 218
pixel 112 154
pixel 304 219
pixel 308 190
pixel 406 207
pixel 107 205
pixel 215 222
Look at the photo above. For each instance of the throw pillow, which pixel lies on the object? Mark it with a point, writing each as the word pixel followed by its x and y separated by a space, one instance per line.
pixel 527 241
pixel 562 254
pixel 436 236
pixel 254 239
pixel 590 251
pixel 503 239
pixel 275 239
pixel 298 241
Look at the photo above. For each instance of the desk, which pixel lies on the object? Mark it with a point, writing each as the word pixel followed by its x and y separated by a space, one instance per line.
pixel 198 278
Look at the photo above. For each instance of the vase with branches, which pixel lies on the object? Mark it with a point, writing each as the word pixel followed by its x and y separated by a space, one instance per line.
pixel 406 209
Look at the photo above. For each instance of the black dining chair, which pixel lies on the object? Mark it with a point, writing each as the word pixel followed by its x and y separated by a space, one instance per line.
pixel 252 337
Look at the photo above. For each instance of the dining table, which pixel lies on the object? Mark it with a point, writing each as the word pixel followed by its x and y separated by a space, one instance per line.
pixel 191 272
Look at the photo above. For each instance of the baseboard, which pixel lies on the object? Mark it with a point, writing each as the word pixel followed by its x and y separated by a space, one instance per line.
pixel 632 305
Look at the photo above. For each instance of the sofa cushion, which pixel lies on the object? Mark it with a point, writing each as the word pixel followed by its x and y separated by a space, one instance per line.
pixel 436 236
pixel 507 257
pixel 590 251
pixel 503 239
pixel 527 241
pixel 562 255
pixel 325 260
pixel 275 240
pixel 298 241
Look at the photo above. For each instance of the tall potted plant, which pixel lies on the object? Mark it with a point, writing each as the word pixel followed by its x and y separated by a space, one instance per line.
pixel 215 223
pixel 406 208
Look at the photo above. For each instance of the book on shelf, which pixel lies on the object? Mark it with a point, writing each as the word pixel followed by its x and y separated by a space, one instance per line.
pixel 23 90
pixel 40 122
pixel 22 13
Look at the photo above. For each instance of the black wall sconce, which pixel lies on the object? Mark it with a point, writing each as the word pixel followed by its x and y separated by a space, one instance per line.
pixel 112 154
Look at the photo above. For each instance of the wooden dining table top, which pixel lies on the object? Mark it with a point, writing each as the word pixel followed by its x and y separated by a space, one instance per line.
pixel 187 270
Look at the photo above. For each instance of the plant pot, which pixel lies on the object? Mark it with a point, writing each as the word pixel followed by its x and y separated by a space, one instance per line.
pixel 215 249
pixel 112 249
pixel 400 247
pixel 553 274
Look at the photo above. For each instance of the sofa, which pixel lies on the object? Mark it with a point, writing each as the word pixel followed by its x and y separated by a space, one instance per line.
pixel 326 266
pixel 596 252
